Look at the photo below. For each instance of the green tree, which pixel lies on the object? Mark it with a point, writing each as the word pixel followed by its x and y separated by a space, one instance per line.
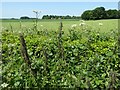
pixel 87 15
pixel 99 13
pixel 112 14
pixel 24 17
pixel 118 14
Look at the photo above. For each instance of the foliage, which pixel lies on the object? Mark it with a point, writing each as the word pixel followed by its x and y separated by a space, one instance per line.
pixel 52 25
pixel 100 13
pixel 24 17
pixel 90 59
pixel 113 14
pixel 87 15
pixel 60 17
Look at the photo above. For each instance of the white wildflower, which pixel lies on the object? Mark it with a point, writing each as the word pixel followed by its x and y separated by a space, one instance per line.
pixel 23 26
pixel 19 31
pixel 74 25
pixel 4 85
pixel 82 21
pixel 41 25
pixel 29 28
pixel 74 77
pixel 82 24
pixel 11 45
pixel 3 28
pixel 100 24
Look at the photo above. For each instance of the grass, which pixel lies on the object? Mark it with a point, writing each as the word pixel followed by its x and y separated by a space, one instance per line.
pixel 108 25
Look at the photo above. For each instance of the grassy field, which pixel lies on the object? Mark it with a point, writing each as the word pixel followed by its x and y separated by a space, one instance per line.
pixel 108 25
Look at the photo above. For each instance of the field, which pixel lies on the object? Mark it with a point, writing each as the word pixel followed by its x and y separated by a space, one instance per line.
pixel 54 24
pixel 71 54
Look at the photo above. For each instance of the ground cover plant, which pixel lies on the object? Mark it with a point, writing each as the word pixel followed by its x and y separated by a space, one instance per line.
pixel 73 55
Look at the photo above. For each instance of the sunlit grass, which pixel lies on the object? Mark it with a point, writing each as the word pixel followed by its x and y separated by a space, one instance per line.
pixel 108 25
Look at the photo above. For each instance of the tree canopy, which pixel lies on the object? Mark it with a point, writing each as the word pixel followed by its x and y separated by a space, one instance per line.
pixel 100 13
pixel 24 17
pixel 95 14
pixel 60 17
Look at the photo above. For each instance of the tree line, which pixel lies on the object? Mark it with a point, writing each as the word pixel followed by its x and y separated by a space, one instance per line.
pixel 95 14
pixel 100 13
pixel 53 17
pixel 26 17
pixel 60 17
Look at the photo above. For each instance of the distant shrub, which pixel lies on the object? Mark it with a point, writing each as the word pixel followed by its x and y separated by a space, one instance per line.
pixel 24 17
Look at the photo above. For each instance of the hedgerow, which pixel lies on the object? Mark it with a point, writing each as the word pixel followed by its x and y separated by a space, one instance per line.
pixel 84 59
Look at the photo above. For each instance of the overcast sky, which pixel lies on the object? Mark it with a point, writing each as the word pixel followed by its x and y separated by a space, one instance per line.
pixel 18 9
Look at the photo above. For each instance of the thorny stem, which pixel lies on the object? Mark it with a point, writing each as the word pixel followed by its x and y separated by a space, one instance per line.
pixel 20 25
pixel 11 27
pixel 119 45
pixel 46 60
pixel 60 41
pixel 112 80
pixel 25 55
pixel 119 39
pixel 46 64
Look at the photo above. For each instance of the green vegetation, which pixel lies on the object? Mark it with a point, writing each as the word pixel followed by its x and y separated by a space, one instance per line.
pixel 52 25
pixel 60 17
pixel 96 14
pixel 100 13
pixel 82 54
pixel 24 17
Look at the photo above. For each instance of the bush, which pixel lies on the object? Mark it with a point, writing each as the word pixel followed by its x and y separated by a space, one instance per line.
pixel 90 60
